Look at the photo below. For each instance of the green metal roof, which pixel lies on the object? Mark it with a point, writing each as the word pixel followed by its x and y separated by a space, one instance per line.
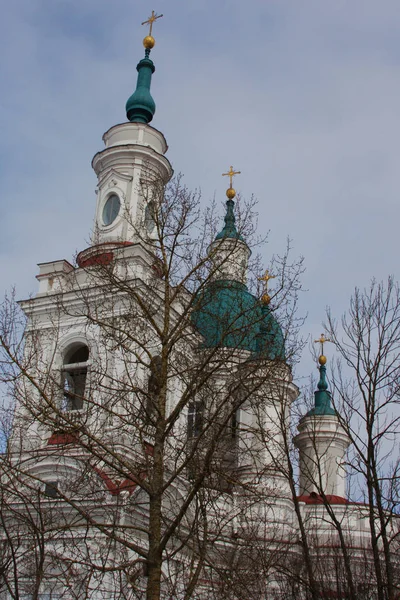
pixel 229 230
pixel 228 316
pixel 140 107
pixel 322 397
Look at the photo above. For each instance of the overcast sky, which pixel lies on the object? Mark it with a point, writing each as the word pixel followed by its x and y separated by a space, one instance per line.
pixel 302 96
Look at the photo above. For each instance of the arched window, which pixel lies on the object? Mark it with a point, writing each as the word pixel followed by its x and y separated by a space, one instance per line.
pixel 74 376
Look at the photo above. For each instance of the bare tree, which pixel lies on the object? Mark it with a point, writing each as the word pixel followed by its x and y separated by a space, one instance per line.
pixel 336 555
pixel 136 380
pixel 366 385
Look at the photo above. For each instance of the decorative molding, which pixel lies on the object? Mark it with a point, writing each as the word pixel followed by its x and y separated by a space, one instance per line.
pixel 112 176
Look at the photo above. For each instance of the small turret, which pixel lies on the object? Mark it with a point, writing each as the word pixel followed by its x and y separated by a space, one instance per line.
pixel 322 443
pixel 229 252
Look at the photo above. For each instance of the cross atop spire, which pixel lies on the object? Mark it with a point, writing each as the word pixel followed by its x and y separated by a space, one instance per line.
pixel 266 277
pixel 322 340
pixel 266 298
pixel 141 107
pixel 231 173
pixel 230 231
pixel 230 192
pixel 153 17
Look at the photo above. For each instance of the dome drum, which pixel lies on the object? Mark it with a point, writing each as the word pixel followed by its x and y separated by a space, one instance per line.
pixel 135 133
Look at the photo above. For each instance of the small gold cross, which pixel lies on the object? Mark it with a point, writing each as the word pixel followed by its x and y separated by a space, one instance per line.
pixel 266 277
pixel 231 173
pixel 322 340
pixel 266 298
pixel 151 20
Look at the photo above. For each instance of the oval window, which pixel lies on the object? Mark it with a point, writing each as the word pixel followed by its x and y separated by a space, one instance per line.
pixel 111 209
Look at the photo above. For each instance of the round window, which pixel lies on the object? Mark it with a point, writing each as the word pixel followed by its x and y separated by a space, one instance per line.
pixel 111 209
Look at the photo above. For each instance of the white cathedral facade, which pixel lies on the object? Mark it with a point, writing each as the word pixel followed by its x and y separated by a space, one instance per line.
pixel 151 452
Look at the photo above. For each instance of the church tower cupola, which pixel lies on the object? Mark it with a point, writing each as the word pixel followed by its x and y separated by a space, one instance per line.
pixel 226 313
pixel 322 397
pixel 229 252
pixel 322 442
pixel 140 107
pixel 131 170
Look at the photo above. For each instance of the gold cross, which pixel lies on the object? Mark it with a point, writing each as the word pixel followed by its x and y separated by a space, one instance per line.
pixel 266 298
pixel 266 277
pixel 230 174
pixel 151 20
pixel 322 340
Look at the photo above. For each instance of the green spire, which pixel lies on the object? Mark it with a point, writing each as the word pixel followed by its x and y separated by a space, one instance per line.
pixel 141 107
pixel 322 396
pixel 229 230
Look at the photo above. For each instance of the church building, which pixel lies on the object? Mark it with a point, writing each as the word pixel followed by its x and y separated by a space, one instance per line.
pixel 152 452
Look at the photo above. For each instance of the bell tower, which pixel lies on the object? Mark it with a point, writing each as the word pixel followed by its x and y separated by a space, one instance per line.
pixel 132 169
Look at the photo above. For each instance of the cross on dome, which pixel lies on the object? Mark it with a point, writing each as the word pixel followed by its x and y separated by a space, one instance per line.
pixel 151 20
pixel 266 298
pixel 322 340
pixel 266 277
pixel 231 173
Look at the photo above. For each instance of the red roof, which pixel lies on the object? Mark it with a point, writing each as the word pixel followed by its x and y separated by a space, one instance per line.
pixel 315 498
pixel 60 438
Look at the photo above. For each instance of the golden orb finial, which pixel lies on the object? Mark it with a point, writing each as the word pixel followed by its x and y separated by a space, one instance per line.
pixel 148 42
pixel 231 193
pixel 265 299
pixel 322 340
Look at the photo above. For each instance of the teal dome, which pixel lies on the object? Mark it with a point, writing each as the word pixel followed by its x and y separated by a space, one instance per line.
pixel 270 341
pixel 228 316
